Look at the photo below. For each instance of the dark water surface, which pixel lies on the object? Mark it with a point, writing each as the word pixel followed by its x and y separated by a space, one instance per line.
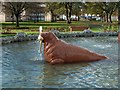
pixel 23 66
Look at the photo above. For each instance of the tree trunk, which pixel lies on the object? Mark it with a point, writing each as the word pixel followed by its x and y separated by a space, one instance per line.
pixel 55 18
pixel 104 18
pixel 12 18
pixel 70 12
pixel 69 20
pixel 17 20
pixel 37 17
pixel 110 18
pixel 78 18
pixel 119 19
pixel 34 18
pixel 66 7
pixel 119 13
pixel 52 16
pixel 107 18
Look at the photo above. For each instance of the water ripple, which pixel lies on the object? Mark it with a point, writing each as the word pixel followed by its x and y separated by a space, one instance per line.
pixel 23 66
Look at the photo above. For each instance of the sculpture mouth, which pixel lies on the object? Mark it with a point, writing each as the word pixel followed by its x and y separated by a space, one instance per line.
pixel 40 38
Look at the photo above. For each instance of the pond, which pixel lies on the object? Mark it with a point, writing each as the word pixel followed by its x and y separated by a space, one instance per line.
pixel 23 66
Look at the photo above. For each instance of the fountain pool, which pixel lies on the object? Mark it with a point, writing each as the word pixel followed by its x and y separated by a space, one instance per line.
pixel 23 66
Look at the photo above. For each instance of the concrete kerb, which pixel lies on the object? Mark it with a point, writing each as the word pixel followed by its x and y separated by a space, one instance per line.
pixel 24 37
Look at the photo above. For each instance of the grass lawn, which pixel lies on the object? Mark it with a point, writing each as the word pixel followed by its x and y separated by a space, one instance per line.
pixel 6 35
pixel 62 26
pixel 58 23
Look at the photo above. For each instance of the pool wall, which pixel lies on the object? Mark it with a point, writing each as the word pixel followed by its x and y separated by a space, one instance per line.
pixel 24 37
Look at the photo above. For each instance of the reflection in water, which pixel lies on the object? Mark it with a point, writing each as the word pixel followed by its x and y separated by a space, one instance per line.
pixel 58 75
pixel 24 66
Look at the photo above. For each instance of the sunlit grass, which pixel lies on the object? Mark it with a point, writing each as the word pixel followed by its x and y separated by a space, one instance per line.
pixel 33 28
pixel 58 23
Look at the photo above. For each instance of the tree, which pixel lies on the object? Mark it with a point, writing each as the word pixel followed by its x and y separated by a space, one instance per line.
pixel 68 7
pixel 119 13
pixel 113 8
pixel 108 8
pixel 52 7
pixel 77 9
pixel 16 8
pixel 93 9
pixel 7 10
pixel 104 9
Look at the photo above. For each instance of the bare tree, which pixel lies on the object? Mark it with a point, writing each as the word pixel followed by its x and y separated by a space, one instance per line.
pixel 16 8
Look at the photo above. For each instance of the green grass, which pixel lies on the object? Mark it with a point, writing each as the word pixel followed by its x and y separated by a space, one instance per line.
pixel 6 35
pixel 95 26
pixel 59 23
pixel 28 32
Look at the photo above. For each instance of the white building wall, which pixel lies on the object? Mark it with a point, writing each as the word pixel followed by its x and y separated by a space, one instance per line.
pixel 2 17
pixel 7 17
pixel 48 16
pixel 114 18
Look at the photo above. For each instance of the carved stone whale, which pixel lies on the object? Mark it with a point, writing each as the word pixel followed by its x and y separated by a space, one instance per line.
pixel 57 51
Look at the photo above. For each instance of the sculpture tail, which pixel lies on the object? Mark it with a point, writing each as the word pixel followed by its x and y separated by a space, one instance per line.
pixel 99 57
pixel 105 57
pixel 102 57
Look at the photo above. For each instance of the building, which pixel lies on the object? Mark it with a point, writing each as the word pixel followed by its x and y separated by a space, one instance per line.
pixel 26 17
pixel 38 14
pixel 2 17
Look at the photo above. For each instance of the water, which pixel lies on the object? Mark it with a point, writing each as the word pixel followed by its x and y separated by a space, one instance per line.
pixel 24 67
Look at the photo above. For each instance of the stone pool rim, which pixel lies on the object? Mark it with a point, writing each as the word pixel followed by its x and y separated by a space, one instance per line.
pixel 26 37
